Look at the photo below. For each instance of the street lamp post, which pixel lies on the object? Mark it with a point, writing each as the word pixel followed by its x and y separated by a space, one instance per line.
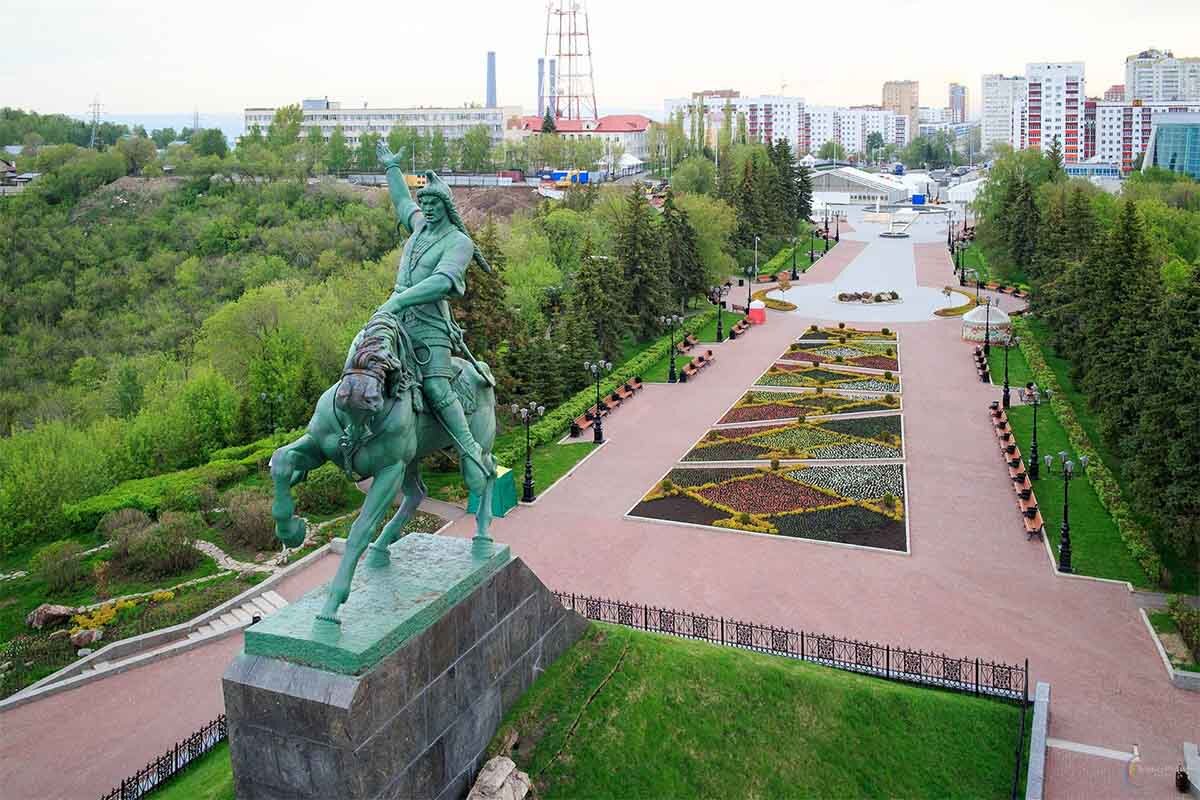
pixel 1008 344
pixel 597 369
pixel 837 231
pixel 950 231
pixel 1067 470
pixel 671 321
pixel 795 275
pixel 718 293
pixel 1031 395
pixel 812 245
pixel 527 415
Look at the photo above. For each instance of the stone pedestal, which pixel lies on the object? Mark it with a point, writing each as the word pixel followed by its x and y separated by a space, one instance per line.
pixel 403 699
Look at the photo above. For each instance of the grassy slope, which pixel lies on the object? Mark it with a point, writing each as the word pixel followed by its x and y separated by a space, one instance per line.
pixel 688 719
pixel 1162 622
pixel 550 462
pixel 1096 545
pixel 209 778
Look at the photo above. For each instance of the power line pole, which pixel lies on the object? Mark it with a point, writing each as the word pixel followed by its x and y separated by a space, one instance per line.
pixel 95 108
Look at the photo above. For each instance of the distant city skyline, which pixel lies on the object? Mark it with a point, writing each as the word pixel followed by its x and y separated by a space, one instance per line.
pixel 144 58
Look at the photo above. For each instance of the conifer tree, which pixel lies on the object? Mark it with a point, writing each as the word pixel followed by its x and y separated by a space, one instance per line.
pixel 639 249
pixel 548 125
pixel 1054 156
pixel 1023 226
pixel 804 192
pixel 685 274
pixel 595 310
pixel 482 313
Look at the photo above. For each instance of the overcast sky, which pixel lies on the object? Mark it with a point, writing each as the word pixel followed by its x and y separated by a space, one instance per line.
pixel 221 56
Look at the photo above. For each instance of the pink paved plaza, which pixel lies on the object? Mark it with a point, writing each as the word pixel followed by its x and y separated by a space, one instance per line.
pixel 971 585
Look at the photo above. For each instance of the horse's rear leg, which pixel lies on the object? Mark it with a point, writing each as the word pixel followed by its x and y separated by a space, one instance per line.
pixel 480 481
pixel 288 465
pixel 414 493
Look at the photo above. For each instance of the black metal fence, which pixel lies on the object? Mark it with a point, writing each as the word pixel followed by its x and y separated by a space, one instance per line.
pixel 163 768
pixel 972 675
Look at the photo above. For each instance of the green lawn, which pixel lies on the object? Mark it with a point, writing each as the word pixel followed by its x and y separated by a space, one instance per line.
pixel 550 462
pixel 1162 622
pixel 687 719
pixel 706 334
pixel 972 258
pixel 1019 373
pixel 1096 545
pixel 802 260
pixel 1184 571
pixel 208 778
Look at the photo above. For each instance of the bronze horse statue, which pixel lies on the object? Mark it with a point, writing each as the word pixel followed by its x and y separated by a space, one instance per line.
pixel 371 424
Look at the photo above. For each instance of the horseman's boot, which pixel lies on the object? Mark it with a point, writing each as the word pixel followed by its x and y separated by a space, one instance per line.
pixel 449 412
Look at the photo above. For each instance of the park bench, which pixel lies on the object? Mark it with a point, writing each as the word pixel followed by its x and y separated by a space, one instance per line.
pixel 741 327
pixel 1034 526
pixel 695 365
pixel 687 343
pixel 610 402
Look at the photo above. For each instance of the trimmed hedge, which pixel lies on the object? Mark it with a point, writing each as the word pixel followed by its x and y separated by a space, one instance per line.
pixel 552 426
pixel 179 491
pixel 1136 539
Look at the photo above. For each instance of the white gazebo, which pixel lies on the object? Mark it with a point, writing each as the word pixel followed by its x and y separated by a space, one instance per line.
pixel 982 318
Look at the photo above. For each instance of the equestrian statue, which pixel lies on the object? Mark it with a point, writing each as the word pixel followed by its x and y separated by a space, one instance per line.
pixel 403 393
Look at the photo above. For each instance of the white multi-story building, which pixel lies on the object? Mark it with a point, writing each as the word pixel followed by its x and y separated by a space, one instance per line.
pixel 851 127
pixel 1003 110
pixel 327 114
pixel 1122 130
pixel 1158 76
pixel 628 131
pixel 1054 98
pixel 768 117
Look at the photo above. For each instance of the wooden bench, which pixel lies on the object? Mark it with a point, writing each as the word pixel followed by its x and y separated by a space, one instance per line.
pixel 741 327
pixel 695 365
pixel 1034 526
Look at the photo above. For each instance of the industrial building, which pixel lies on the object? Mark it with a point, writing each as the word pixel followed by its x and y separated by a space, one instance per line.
pixel 850 185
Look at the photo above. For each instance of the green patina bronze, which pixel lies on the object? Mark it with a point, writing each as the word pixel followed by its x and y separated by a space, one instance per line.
pixel 427 575
pixel 403 393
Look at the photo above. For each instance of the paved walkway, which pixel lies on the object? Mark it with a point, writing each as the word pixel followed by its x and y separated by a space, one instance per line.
pixel 972 585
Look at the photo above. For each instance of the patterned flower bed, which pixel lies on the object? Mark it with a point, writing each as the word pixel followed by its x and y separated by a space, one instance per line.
pixel 860 504
pixel 859 354
pixel 796 375
pixel 835 333
pixel 872 437
pixel 760 406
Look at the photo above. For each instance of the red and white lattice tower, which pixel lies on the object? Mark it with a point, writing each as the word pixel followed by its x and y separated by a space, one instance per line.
pixel 572 90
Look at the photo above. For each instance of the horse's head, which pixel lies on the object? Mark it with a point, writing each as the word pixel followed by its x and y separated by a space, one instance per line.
pixel 367 379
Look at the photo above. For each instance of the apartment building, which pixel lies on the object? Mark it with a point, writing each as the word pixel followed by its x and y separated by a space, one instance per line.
pixel 851 127
pixel 958 103
pixel 327 114
pixel 1158 76
pixel 903 97
pixel 1123 131
pixel 768 117
pixel 1054 107
pixel 1003 105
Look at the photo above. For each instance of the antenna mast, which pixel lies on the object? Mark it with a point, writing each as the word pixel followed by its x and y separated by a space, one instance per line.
pixel 95 109
pixel 569 44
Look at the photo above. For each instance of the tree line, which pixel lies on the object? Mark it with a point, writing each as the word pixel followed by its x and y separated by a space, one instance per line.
pixel 1117 282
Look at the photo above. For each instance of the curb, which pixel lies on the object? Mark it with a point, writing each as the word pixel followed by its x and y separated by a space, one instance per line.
pixel 1035 779
pixel 1180 679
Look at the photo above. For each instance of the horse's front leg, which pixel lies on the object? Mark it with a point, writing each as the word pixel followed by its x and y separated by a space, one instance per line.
pixel 414 493
pixel 287 464
pixel 378 501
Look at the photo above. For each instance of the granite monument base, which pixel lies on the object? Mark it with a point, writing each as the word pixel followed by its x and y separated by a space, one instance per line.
pixel 402 700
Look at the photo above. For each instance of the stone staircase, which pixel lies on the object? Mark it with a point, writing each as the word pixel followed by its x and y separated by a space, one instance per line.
pixel 262 606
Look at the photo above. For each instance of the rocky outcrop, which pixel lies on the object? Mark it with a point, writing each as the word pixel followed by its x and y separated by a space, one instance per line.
pixel 500 780
pixel 48 614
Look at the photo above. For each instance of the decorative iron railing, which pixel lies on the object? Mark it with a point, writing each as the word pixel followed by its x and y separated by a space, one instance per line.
pixel 163 768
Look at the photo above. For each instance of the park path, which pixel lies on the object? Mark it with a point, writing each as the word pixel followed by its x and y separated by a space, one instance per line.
pixel 972 585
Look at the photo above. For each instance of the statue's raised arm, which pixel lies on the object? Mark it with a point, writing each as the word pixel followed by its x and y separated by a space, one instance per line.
pixel 397 187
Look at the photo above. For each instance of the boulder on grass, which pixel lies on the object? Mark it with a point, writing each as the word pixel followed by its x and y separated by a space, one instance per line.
pixel 87 637
pixel 48 614
pixel 500 780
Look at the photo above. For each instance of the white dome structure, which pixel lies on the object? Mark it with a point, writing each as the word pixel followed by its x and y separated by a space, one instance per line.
pixel 981 318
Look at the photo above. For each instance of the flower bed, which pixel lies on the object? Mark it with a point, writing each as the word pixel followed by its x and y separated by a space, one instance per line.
pixel 872 437
pixel 858 354
pixel 849 503
pixel 755 406
pixel 819 334
pixel 795 375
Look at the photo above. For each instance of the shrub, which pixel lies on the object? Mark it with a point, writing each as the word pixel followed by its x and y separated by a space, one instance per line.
pixel 59 565
pixel 889 501
pixel 887 375
pixel 774 463
pixel 743 518
pixel 124 518
pixel 839 359
pixel 162 550
pixel 889 398
pixel 813 327
pixel 886 331
pixel 248 515
pixel 666 485
pixel 325 490
pixel 1187 619
pixel 841 326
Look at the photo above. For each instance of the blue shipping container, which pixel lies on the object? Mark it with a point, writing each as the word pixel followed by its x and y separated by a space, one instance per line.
pixel 918 200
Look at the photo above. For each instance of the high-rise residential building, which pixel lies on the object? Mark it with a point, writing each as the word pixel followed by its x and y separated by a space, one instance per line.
pixel 958 103
pixel 1054 107
pixel 768 117
pixel 1002 110
pixel 1115 93
pixel 852 127
pixel 326 114
pixel 1123 131
pixel 903 97
pixel 491 80
pixel 1158 76
pixel 1175 144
